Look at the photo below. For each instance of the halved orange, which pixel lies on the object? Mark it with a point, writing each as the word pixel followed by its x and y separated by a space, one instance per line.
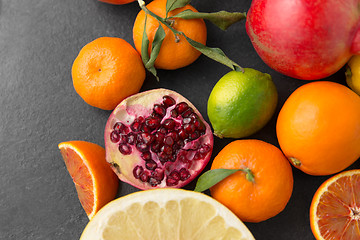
pixel 95 182
pixel 335 208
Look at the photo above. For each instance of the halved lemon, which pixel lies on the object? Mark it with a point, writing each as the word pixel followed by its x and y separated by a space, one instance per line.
pixel 96 184
pixel 164 214
pixel 335 208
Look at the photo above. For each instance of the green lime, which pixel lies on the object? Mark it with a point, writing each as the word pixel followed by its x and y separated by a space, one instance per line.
pixel 241 103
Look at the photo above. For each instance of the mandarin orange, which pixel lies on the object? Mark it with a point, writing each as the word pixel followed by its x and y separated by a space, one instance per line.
pixel 318 128
pixel 271 189
pixel 106 71
pixel 173 54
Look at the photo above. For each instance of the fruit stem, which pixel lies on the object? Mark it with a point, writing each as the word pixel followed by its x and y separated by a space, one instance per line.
pixel 295 161
pixel 215 54
pixel 348 72
pixel 249 174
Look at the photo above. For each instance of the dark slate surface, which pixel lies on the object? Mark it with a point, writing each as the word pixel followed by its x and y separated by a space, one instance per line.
pixel 39 39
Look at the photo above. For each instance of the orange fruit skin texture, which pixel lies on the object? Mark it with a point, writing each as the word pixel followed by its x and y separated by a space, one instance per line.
pixel 172 55
pixel 335 208
pixel 319 125
pixel 95 182
pixel 270 192
pixel 106 71
pixel 117 2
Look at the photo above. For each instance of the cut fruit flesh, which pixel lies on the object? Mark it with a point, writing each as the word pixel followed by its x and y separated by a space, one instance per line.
pixel 165 214
pixel 157 139
pixel 335 208
pixel 94 180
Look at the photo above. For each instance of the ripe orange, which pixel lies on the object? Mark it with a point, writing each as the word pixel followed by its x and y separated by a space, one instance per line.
pixel 335 208
pixel 173 54
pixel 318 128
pixel 273 180
pixel 106 71
pixel 117 2
pixel 95 182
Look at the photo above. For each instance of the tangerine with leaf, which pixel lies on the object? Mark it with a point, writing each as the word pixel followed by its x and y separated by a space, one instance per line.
pixel 260 184
pixel 175 51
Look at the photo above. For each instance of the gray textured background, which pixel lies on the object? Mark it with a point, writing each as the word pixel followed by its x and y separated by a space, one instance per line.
pixel 39 39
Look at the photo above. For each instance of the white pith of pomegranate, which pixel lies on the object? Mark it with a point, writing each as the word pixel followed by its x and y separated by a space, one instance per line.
pixel 157 139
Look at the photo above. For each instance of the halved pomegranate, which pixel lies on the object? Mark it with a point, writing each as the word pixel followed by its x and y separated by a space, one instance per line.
pixel 157 139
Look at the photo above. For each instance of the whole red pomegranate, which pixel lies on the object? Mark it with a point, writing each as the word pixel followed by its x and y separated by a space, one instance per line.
pixel 157 139
pixel 305 39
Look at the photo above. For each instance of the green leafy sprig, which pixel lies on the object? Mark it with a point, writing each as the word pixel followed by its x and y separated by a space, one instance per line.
pixel 212 177
pixel 221 19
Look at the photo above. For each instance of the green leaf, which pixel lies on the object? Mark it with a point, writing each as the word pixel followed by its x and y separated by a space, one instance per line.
pixel 221 19
pixel 214 53
pixel 156 45
pixel 145 52
pixel 212 177
pixel 174 4
pixel 145 45
pixel 155 49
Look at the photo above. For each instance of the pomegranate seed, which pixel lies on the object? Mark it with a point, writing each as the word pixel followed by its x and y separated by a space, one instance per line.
pixel 159 137
pixel 147 138
pixel 163 157
pixel 120 127
pixel 180 143
pixel 152 122
pixel 171 182
pixel 159 110
pixel 135 126
pixel 183 158
pixel 144 176
pixel 194 116
pixel 181 107
pixel 131 137
pixel 142 147
pixel 197 156
pixel 145 128
pixel 183 134
pixel 187 112
pixel 125 149
pixel 158 174
pixel 187 120
pixel 174 136
pixel 184 174
pixel 168 140
pixel 162 130
pixel 166 149
pixel 168 101
pixel 146 156
pixel 169 123
pixel 138 170
pixel 123 139
pixel 114 136
pixel 189 128
pixel 194 135
pixel 175 147
pixel 195 146
pixel 172 158
pixel 175 175
pixel 197 123
pixel 153 182
pixel 150 164
pixel 174 113
pixel 155 147
pixel 204 149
